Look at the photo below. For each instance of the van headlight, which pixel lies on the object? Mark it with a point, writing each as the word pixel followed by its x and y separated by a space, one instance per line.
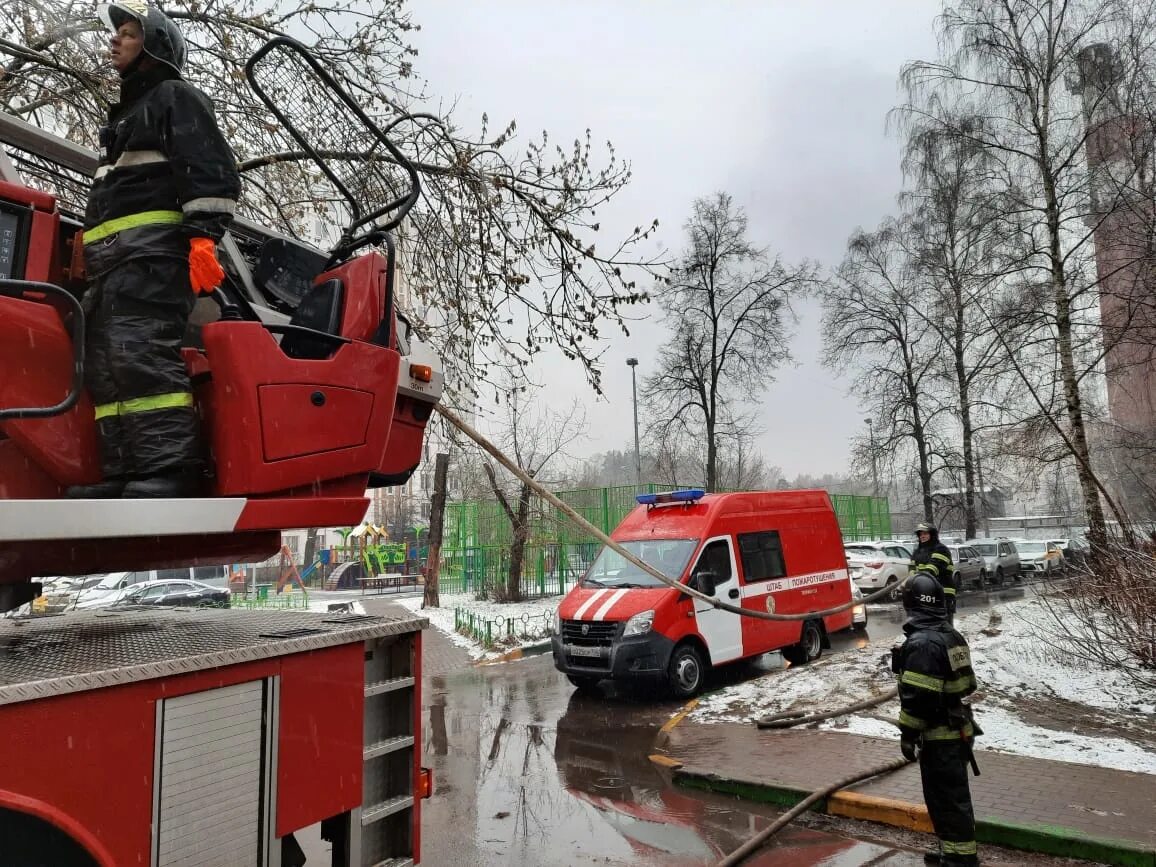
pixel 639 624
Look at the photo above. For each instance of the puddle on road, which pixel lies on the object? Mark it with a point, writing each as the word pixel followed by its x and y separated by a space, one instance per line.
pixel 529 772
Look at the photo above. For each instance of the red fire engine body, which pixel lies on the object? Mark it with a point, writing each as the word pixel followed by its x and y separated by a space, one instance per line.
pixel 194 736
pixel 777 551
pixel 204 736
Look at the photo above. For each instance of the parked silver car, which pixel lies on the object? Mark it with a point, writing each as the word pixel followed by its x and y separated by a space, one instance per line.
pixel 970 567
pixel 1001 559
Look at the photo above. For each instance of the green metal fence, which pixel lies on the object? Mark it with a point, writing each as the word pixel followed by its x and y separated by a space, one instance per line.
pixel 862 518
pixel 477 537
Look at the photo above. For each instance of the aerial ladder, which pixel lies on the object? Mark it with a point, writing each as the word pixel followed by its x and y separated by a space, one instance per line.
pixel 140 736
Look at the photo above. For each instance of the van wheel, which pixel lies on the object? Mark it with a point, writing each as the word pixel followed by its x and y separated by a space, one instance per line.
pixel 809 648
pixel 685 672
pixel 588 685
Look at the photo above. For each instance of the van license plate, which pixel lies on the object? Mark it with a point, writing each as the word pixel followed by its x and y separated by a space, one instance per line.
pixel 576 650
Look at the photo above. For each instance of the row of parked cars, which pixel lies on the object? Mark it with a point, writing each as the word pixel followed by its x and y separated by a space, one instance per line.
pixel 197 586
pixel 978 562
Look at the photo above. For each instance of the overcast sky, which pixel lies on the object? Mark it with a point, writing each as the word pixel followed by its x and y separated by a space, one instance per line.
pixel 781 103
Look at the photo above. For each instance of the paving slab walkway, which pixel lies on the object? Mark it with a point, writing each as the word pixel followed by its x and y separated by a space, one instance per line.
pixel 1057 808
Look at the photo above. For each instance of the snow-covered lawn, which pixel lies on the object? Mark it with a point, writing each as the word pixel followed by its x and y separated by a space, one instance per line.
pixel 528 618
pixel 1034 699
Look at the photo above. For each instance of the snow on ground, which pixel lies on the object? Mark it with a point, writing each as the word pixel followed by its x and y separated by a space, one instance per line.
pixel 530 616
pixel 1034 700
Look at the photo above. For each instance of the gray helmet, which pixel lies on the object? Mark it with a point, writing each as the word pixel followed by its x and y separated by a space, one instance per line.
pixel 162 38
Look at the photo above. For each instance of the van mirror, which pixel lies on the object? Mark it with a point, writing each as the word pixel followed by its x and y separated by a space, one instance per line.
pixel 704 581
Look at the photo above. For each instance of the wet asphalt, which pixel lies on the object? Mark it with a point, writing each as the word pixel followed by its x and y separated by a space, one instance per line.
pixel 530 772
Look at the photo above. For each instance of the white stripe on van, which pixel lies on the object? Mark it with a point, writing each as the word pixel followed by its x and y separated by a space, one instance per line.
pixel 618 594
pixel 762 588
pixel 598 594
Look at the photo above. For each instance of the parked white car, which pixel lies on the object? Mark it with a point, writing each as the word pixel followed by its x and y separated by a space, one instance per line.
pixel 874 565
pixel 1045 557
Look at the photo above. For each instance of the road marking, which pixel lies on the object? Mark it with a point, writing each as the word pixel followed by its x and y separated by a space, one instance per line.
pixel 595 596
pixel 605 609
pixel 669 725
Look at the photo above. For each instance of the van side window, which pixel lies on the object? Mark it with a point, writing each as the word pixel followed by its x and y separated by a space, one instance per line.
pixel 716 558
pixel 762 555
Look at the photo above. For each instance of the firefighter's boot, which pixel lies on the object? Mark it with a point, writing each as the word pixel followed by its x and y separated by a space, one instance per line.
pixel 109 489
pixel 172 486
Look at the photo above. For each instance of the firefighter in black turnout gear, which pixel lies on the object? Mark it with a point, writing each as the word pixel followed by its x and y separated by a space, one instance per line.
pixel 936 727
pixel 163 195
pixel 932 558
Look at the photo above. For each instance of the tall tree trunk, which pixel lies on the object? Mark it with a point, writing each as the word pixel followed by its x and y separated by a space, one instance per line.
pixel 964 388
pixel 431 596
pixel 1097 530
pixel 711 457
pixel 518 546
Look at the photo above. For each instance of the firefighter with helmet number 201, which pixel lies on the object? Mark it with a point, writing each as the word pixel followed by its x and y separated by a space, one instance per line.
pixel 931 557
pixel 936 728
pixel 162 197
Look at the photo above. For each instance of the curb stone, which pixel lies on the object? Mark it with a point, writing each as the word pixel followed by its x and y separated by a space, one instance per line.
pixel 1044 839
pixel 518 653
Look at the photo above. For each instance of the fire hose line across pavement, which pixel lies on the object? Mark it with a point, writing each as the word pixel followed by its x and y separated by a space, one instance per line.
pixel 577 518
pixel 777 721
pixel 760 839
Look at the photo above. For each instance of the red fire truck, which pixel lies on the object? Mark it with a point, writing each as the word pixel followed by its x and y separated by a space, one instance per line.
pixel 211 737
pixel 776 551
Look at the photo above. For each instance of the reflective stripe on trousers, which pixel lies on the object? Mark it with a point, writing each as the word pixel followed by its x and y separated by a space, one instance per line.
pixel 131 221
pixel 145 404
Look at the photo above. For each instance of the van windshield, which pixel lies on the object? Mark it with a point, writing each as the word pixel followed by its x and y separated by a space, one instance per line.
pixel 668 556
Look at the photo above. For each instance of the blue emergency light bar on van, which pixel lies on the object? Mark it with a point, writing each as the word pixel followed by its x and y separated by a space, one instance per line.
pixel 691 496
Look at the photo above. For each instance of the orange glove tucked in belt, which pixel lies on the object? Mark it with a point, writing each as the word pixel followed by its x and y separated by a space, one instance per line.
pixel 205 272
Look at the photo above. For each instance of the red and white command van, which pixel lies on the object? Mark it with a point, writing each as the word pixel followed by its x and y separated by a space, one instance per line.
pixel 778 551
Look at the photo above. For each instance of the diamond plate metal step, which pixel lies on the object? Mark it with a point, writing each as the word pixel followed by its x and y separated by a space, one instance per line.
pixel 384 686
pixel 382 748
pixel 386 808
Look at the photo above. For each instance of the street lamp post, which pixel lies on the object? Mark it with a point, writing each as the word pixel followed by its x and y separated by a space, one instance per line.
pixel 874 470
pixel 633 362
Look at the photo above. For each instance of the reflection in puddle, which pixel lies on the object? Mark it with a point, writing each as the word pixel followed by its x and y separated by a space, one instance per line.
pixel 530 772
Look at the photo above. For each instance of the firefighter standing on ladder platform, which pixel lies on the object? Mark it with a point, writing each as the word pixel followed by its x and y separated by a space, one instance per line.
pixel 162 197
pixel 932 558
pixel 936 727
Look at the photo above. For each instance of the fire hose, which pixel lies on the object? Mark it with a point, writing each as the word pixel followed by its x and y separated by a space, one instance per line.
pixel 791 718
pixel 754 843
pixel 555 501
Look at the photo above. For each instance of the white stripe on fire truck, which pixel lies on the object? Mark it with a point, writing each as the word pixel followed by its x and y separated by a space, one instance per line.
pixel 598 594
pixel 762 588
pixel 618 594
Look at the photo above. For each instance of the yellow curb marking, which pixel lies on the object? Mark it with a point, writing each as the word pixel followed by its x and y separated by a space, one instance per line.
pixel 511 656
pixel 887 811
pixel 665 761
pixel 678 717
